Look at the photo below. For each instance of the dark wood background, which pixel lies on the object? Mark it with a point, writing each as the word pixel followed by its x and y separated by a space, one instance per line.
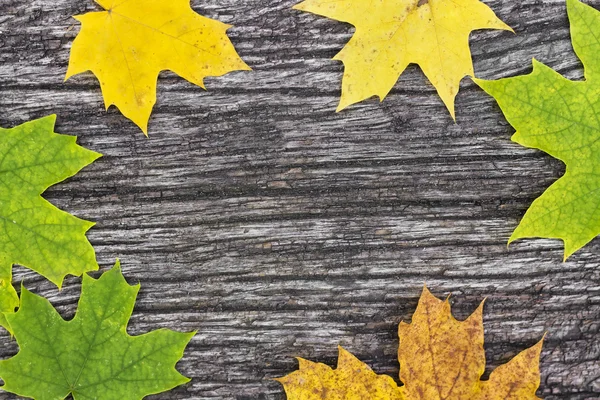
pixel 277 228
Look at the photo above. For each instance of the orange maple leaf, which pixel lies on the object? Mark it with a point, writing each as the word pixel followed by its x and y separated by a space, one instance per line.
pixel 440 359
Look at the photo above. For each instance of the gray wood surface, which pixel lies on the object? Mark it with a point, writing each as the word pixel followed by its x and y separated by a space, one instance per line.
pixel 277 228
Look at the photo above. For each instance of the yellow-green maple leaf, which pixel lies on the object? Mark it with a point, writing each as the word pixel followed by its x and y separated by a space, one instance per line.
pixel 33 232
pixel 391 34
pixel 440 358
pixel 132 41
pixel 562 118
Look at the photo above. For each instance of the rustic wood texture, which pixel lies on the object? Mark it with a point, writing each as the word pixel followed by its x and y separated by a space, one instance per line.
pixel 277 228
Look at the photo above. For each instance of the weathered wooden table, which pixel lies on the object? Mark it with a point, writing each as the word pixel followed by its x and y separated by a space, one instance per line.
pixel 278 228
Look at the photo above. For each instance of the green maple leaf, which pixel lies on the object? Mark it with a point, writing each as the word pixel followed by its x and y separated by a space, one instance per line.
pixel 90 356
pixel 33 232
pixel 562 118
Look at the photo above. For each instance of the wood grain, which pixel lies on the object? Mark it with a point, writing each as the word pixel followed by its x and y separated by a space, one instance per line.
pixel 277 228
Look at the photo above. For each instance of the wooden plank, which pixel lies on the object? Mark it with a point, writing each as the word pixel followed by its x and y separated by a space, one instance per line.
pixel 277 228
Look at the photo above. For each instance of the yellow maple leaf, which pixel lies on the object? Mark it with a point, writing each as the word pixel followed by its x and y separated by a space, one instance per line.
pixel 391 34
pixel 132 41
pixel 440 359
